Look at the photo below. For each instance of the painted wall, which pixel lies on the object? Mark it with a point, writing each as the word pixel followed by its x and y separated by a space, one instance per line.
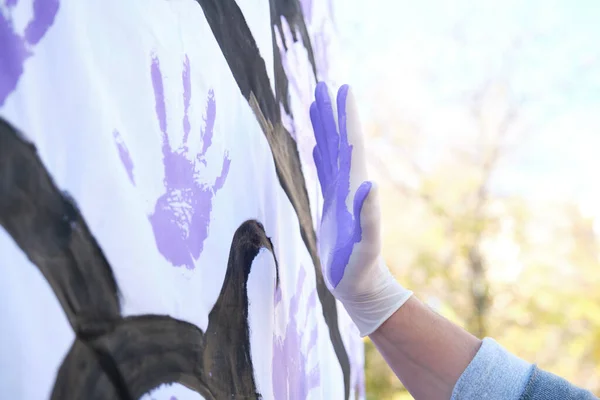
pixel 158 239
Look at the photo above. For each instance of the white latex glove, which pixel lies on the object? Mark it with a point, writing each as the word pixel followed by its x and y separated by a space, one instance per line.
pixel 350 233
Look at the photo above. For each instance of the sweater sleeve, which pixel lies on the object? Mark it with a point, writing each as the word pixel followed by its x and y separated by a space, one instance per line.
pixel 493 374
pixel 496 374
pixel 546 386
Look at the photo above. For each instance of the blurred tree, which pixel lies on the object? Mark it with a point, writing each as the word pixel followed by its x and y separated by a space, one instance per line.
pixel 382 384
pixel 457 195
pixel 521 270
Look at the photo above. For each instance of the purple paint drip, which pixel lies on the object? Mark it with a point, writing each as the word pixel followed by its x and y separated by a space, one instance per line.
pixel 181 215
pixel 290 376
pixel 277 295
pixel 333 155
pixel 220 181
pixel 16 48
pixel 357 370
pixel 124 155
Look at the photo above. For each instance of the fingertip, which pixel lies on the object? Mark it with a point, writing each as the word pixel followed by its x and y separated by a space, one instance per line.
pixel 320 87
pixel 313 110
pixel 322 94
pixel 366 216
pixel 341 97
pixel 360 196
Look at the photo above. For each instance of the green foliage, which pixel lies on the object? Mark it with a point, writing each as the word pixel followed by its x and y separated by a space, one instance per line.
pixel 381 384
pixel 523 271
pixel 544 303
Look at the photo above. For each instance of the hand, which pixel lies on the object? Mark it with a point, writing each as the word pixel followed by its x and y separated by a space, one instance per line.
pixel 350 234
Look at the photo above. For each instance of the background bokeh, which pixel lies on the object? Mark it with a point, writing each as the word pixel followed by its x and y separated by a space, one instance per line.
pixel 483 125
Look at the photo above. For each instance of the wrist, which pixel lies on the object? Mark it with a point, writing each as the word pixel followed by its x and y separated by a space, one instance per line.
pixel 426 351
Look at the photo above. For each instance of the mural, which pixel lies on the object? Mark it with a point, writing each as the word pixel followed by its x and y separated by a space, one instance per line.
pixel 212 156
pixel 112 356
pixel 293 376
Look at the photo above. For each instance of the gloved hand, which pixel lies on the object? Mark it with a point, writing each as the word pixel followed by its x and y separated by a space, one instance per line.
pixel 350 234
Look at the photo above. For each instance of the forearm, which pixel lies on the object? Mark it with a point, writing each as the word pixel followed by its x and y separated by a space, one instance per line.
pixel 434 358
pixel 427 352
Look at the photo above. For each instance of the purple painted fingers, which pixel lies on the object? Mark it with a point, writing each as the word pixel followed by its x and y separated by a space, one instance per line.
pixel 349 234
pixel 333 157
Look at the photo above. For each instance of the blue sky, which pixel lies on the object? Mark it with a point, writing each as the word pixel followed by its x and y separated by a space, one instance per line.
pixel 419 58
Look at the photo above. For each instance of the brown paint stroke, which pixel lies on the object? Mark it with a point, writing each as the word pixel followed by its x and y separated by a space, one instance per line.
pixel 114 357
pixel 47 226
pixel 248 68
pixel 137 355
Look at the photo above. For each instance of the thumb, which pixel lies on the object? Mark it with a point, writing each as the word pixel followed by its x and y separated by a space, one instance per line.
pixel 366 212
pixel 350 123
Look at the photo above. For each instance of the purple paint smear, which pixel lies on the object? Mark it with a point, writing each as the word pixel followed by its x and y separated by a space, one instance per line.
pixel 182 214
pixel 357 367
pixel 321 46
pixel 124 155
pixel 332 156
pixel 16 47
pixel 307 6
pixel 301 81
pixel 290 377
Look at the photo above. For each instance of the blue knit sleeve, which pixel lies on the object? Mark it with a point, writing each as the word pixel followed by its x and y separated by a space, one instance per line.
pixel 546 386
pixel 495 374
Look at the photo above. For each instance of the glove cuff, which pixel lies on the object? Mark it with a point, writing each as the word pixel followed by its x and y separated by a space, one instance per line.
pixel 370 311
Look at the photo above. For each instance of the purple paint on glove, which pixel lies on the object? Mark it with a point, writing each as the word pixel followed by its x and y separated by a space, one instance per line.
pixel 333 158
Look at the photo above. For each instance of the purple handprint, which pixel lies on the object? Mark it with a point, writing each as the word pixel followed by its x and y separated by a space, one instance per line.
pixel 182 214
pixel 332 156
pixel 290 376
pixel 15 47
